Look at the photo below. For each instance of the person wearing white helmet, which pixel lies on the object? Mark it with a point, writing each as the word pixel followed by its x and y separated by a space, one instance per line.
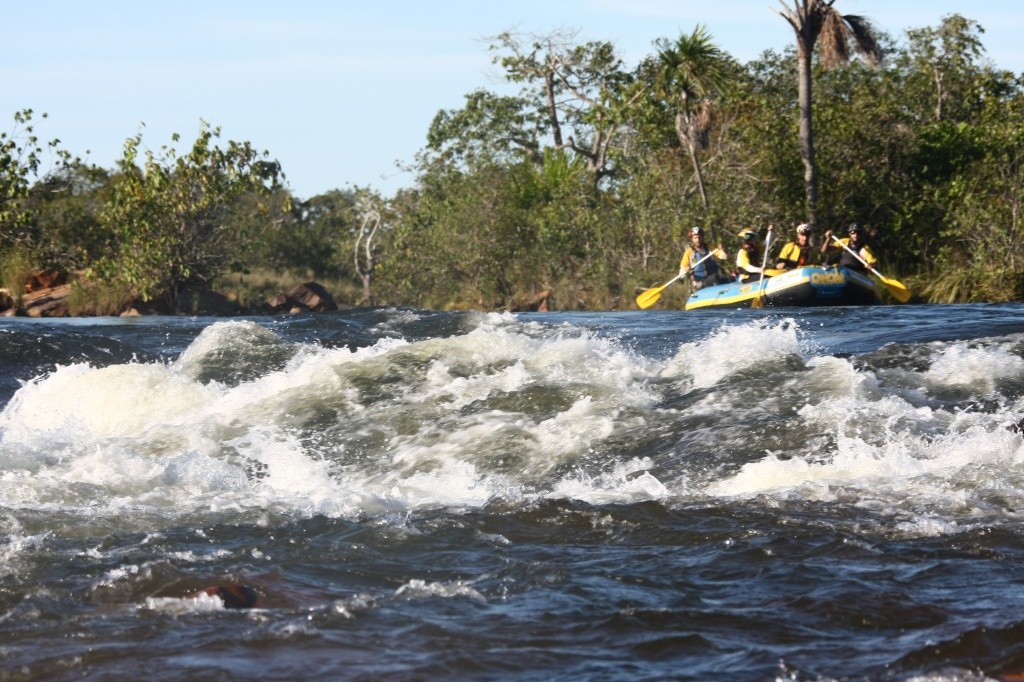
pixel 798 253
pixel 704 271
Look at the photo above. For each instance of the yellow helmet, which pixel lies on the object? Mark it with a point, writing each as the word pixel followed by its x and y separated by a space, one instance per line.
pixel 747 234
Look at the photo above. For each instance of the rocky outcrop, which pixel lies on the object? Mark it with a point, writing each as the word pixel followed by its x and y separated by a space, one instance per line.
pixel 45 294
pixel 37 302
pixel 47 302
pixel 308 297
pixel 44 279
pixel 538 303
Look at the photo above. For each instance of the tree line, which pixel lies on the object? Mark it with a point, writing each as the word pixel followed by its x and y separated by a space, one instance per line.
pixel 579 178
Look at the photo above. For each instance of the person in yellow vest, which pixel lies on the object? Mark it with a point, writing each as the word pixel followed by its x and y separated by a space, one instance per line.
pixel 703 271
pixel 798 253
pixel 857 241
pixel 748 257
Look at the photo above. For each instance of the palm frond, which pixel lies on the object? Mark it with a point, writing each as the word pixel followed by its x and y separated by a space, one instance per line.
pixel 863 33
pixel 832 46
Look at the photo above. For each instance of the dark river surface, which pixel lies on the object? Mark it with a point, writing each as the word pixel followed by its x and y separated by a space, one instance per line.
pixel 801 494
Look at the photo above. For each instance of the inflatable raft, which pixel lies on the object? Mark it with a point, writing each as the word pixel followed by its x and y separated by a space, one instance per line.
pixel 806 286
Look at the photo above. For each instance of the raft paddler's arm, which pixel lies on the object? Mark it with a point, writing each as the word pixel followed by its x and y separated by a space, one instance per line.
pixel 783 261
pixel 743 262
pixel 684 269
pixel 868 257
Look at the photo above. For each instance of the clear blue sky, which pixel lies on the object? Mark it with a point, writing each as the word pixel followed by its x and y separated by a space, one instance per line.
pixel 339 91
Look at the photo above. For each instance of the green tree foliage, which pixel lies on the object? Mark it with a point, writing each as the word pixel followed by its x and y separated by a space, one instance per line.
pixel 489 128
pixel 493 237
pixel 168 215
pixel 946 61
pixel 583 93
pixel 66 206
pixel 457 242
pixel 689 73
pixel 259 226
pixel 514 219
pixel 307 238
pixel 21 157
pixel 584 182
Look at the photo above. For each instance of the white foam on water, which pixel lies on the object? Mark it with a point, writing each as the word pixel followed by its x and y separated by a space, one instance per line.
pixel 292 479
pixel 505 410
pixel 929 468
pixel 80 401
pixel 421 589
pixel 155 438
pixel 396 317
pixel 628 482
pixel 231 339
pixel 949 476
pixel 15 546
pixel 975 368
pixel 175 606
pixel 470 457
pixel 452 484
pixel 704 363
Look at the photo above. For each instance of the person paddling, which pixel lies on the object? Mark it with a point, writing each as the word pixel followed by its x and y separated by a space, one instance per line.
pixel 703 271
pixel 857 243
pixel 798 253
pixel 748 257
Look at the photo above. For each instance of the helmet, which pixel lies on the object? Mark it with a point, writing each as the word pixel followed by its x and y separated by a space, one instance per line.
pixel 696 230
pixel 747 234
pixel 804 228
pixel 855 227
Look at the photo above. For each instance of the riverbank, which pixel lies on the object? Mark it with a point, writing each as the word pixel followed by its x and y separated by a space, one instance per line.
pixel 48 294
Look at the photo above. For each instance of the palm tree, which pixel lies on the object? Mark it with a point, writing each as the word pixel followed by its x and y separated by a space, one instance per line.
pixel 818 22
pixel 691 70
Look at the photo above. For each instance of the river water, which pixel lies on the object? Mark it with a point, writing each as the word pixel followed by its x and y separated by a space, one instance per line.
pixel 819 494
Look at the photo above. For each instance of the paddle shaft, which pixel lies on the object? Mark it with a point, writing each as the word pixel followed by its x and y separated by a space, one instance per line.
pixel 692 267
pixel 856 255
pixel 757 303
pixel 764 261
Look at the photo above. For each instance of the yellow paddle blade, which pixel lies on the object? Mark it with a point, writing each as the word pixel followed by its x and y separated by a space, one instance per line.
pixel 650 297
pixel 757 302
pixel 898 290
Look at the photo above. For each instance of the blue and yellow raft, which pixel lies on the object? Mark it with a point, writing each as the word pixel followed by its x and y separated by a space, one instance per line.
pixel 803 287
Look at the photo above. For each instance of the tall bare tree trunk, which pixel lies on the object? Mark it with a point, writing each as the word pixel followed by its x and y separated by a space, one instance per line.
pixel 810 20
pixel 684 131
pixel 549 91
pixel 805 104
pixel 366 265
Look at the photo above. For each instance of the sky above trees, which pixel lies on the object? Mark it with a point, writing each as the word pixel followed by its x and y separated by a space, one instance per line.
pixel 342 92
